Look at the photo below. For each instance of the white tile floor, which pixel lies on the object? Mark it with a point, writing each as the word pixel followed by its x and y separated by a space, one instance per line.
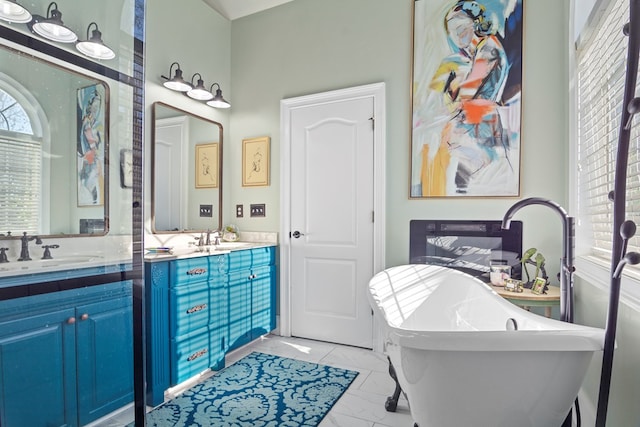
pixel 363 403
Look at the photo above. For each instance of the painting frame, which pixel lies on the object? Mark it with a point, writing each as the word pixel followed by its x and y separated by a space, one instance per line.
pixel 207 160
pixel 466 98
pixel 255 161
pixel 91 145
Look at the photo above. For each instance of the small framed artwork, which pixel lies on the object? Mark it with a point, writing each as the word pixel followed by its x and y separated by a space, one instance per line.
pixel 538 286
pixel 207 165
pixel 255 162
pixel 126 168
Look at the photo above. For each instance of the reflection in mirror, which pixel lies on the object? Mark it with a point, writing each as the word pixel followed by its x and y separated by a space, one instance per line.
pixel 186 183
pixel 53 149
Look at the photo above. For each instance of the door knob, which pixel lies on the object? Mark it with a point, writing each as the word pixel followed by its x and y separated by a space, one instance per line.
pixel 297 234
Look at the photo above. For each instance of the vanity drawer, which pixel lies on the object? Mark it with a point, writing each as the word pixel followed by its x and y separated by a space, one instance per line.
pixel 190 270
pixel 263 256
pixel 189 308
pixel 240 260
pixel 195 352
pixel 247 258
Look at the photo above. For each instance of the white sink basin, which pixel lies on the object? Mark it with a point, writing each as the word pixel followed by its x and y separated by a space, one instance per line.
pixel 61 263
pixel 224 246
pixel 68 260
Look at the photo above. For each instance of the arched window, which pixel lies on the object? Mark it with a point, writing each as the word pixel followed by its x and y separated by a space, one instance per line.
pixel 21 162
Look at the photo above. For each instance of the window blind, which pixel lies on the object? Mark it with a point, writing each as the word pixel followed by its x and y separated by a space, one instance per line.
pixel 20 186
pixel 601 67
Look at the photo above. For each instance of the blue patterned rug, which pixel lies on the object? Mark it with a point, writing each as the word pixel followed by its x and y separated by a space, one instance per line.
pixel 260 390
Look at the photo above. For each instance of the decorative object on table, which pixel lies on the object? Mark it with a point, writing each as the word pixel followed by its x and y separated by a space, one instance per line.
pixel 538 261
pixel 498 273
pixel 255 162
pixel 463 88
pixel 91 145
pixel 230 233
pixel 513 285
pixel 207 165
pixel 260 389
pixel 539 285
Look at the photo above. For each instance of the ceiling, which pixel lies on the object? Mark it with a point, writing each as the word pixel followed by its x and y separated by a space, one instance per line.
pixel 233 9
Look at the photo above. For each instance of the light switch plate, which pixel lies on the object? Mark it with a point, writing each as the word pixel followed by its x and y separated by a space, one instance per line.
pixel 258 210
pixel 206 211
pixel 239 211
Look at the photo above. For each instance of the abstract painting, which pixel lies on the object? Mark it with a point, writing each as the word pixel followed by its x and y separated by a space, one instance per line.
pixel 466 98
pixel 91 145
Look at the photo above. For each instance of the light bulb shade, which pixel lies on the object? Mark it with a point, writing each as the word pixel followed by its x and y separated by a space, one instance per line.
pixel 52 27
pixel 218 101
pixel 198 91
pixel 94 47
pixel 176 82
pixel 12 12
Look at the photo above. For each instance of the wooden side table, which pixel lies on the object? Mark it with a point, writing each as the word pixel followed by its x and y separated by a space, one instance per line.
pixel 527 299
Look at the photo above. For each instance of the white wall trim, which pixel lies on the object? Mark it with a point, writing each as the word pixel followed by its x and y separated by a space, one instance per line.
pixel 377 91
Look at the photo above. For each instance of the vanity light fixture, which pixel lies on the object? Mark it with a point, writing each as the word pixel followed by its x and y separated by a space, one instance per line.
pixel 52 27
pixel 176 82
pixel 218 101
pixel 11 11
pixel 198 91
pixel 94 46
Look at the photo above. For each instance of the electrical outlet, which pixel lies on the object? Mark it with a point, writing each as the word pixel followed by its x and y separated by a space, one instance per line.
pixel 258 210
pixel 206 211
pixel 239 211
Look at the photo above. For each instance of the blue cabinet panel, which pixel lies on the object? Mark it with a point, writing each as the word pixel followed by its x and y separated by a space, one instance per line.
pixel 239 308
pixel 105 357
pixel 35 388
pixel 263 300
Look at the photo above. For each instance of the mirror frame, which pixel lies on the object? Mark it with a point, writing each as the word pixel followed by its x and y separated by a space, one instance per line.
pixel 153 167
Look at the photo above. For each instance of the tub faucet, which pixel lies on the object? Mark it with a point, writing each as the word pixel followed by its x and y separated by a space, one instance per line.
pixel 24 252
pixel 566 263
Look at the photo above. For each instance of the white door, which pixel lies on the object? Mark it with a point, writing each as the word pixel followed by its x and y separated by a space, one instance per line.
pixel 169 146
pixel 331 215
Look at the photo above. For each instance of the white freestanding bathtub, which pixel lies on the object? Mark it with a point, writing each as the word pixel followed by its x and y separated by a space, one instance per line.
pixel 457 357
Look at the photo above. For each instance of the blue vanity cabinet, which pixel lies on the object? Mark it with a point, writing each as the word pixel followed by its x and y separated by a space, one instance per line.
pixel 186 320
pixel 200 308
pixel 65 357
pixel 252 283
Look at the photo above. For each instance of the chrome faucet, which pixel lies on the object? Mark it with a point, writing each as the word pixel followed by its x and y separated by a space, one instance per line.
pixel 568 242
pixel 24 252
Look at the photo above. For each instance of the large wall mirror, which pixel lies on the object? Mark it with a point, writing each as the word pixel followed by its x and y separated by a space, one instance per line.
pixel 54 136
pixel 186 171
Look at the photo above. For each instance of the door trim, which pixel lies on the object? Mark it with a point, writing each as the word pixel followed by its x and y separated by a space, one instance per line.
pixel 377 91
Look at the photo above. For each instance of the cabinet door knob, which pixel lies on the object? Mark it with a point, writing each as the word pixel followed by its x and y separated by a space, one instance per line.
pixel 71 320
pixel 85 316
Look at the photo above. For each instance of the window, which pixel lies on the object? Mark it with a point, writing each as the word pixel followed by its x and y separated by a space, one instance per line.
pixel 21 156
pixel 601 69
